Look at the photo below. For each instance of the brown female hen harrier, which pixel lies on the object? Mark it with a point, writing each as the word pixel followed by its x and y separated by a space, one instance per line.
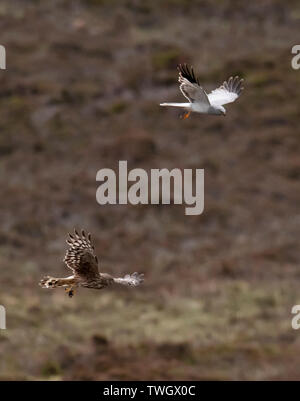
pixel 83 262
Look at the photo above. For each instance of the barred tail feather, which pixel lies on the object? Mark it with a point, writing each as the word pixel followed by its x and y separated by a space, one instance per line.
pixel 49 282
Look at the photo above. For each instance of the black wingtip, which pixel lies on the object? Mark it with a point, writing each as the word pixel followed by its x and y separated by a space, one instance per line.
pixel 188 73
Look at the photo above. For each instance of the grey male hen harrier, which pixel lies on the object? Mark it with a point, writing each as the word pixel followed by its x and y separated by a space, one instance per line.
pixel 199 100
pixel 81 259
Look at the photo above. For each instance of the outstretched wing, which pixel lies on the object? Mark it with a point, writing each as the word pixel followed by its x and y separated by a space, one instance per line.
pixel 226 93
pixel 80 256
pixel 130 279
pixel 190 86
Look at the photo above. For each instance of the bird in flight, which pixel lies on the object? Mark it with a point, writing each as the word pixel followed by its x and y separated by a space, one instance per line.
pixel 81 259
pixel 199 100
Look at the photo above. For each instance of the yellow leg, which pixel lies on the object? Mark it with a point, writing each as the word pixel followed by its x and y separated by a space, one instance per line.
pixel 186 115
pixel 70 291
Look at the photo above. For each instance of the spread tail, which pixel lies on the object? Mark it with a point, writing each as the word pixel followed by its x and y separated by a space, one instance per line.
pixel 130 279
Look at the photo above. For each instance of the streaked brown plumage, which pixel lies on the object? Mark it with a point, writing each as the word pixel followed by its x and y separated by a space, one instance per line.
pixel 81 259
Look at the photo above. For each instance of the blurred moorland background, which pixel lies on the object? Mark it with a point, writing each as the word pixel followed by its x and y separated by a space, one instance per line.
pixel 81 91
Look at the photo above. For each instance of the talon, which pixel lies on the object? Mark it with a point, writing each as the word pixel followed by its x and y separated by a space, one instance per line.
pixel 71 293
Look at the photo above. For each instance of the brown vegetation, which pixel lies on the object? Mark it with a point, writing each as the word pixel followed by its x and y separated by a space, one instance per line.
pixel 81 91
